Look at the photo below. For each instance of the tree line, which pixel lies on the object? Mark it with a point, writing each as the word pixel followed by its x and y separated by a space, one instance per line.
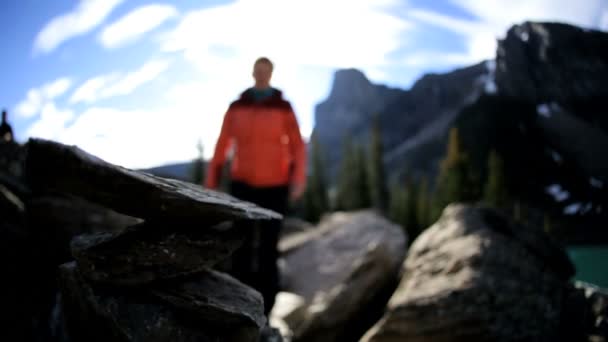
pixel 413 203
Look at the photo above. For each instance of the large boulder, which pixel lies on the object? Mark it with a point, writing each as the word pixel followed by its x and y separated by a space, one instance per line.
pixel 151 281
pixel 476 276
pixel 345 271
pixel 20 296
pixel 209 307
pixel 130 192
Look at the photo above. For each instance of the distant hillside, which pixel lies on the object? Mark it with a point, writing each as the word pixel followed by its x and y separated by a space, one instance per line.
pixel 181 171
pixel 408 118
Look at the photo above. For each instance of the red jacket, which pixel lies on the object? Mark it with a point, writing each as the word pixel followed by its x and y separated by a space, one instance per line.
pixel 268 147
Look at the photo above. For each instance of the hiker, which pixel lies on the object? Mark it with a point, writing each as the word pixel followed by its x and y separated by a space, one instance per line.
pixel 6 131
pixel 268 169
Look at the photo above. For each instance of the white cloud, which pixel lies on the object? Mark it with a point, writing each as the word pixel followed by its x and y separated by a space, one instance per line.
pixel 453 24
pixel 118 84
pixel 426 59
pixel 31 105
pixel 148 136
pixel 137 138
pixel 136 23
pixel 133 80
pixel 37 97
pixel 82 19
pixel 56 88
pixel 306 44
pixel 90 90
pixel 52 121
pixel 494 18
pixel 297 32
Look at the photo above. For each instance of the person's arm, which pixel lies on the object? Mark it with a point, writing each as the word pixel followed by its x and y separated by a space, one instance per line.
pixel 219 156
pixel 298 152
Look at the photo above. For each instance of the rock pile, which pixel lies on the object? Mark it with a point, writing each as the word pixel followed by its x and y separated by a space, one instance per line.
pixel 153 281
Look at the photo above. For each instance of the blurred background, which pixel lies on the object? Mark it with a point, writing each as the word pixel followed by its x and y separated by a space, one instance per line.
pixel 146 84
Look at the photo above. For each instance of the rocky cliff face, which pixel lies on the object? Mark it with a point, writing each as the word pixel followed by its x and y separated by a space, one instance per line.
pixel 348 111
pixel 537 63
pixel 546 62
pixel 427 108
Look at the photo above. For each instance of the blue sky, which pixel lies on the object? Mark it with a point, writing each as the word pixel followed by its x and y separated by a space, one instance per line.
pixel 139 82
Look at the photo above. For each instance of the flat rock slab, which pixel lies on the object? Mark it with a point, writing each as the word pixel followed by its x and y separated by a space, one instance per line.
pixel 152 251
pixel 214 297
pixel 96 315
pixel 68 169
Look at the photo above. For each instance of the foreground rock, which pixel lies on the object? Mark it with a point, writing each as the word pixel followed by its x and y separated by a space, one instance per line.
pixel 129 192
pixel 97 314
pixel 152 251
pixel 474 276
pixel 215 298
pixel 21 296
pixel 152 281
pixel 345 271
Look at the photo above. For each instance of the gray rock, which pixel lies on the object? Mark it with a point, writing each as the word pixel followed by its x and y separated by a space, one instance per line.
pixel 96 314
pixel 475 276
pixel 130 192
pixel 152 251
pixel 344 270
pixel 22 294
pixel 214 297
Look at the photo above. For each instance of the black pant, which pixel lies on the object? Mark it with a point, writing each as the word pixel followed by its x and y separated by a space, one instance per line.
pixel 255 263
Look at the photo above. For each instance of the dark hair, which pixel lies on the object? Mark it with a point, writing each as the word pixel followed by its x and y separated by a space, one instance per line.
pixel 264 60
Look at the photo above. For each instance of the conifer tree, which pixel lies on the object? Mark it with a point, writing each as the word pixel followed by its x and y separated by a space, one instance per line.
pixel 495 189
pixel 455 181
pixel 353 186
pixel 398 205
pixel 423 202
pixel 316 201
pixel 377 175
pixel 345 180
pixel 412 224
pixel 362 183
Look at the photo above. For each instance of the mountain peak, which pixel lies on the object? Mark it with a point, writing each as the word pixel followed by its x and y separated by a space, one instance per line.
pixel 545 62
pixel 349 83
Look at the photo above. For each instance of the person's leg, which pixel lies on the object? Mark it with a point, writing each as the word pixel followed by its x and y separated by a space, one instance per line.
pixel 242 263
pixel 274 199
pixel 255 263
